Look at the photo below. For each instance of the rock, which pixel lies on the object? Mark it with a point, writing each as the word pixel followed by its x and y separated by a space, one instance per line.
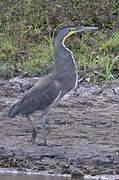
pixel 18 80
pixel 95 90
pixel 65 168
pixel 77 173
pixel 1 82
pixel 108 93
pixel 21 84
pixel 26 86
pixel 116 90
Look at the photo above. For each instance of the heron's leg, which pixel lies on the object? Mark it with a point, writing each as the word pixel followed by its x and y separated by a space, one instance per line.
pixel 33 128
pixel 44 126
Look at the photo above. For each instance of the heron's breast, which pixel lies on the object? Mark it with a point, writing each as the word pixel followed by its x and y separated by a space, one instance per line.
pixel 70 82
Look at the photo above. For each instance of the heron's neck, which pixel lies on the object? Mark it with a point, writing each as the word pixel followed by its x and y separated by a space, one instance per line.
pixel 63 57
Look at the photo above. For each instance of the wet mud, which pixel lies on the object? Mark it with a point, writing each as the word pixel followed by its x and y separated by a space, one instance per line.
pixel 83 133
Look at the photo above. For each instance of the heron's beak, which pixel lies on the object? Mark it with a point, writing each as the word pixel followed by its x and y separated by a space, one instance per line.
pixel 85 28
pixel 78 29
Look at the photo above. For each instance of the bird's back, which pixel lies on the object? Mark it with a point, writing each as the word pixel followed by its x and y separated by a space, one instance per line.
pixel 37 98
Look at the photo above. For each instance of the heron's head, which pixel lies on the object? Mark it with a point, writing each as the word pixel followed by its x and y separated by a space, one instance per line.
pixel 65 32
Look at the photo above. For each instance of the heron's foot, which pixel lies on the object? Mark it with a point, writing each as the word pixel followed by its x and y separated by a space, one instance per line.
pixel 33 137
pixel 44 143
pixel 49 145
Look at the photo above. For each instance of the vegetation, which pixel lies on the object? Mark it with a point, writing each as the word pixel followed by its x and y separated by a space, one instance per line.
pixel 26 28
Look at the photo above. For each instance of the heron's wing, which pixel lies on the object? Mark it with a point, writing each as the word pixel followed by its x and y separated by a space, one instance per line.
pixel 39 98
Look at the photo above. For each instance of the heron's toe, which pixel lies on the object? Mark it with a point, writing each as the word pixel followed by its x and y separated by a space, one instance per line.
pixel 34 134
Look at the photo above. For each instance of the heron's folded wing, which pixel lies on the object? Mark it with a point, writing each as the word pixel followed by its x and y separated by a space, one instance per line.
pixel 39 98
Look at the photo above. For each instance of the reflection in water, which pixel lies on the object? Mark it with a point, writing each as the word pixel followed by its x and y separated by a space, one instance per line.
pixel 14 176
pixel 45 177
pixel 31 177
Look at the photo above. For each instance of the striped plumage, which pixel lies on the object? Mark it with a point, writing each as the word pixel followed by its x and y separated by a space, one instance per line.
pixel 53 87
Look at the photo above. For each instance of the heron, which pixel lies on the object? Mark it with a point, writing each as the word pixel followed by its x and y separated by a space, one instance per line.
pixel 50 90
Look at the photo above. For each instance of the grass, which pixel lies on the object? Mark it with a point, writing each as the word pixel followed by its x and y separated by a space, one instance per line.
pixel 91 52
pixel 101 53
pixel 111 43
pixel 39 59
pixel 107 64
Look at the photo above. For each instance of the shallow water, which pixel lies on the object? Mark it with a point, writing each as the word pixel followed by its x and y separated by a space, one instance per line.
pixel 31 177
pixel 14 174
pixel 54 177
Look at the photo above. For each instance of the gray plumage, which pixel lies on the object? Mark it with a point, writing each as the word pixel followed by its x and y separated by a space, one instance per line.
pixel 43 95
pixel 53 87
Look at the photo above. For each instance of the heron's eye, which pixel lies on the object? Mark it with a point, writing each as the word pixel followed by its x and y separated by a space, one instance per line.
pixel 71 29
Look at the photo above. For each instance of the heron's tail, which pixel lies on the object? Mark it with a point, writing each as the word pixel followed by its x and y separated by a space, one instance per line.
pixel 15 109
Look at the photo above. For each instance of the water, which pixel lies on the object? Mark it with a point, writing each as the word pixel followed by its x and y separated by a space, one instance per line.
pixel 46 177
pixel 12 174
pixel 31 177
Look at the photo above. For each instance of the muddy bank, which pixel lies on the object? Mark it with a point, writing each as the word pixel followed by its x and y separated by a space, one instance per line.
pixel 83 132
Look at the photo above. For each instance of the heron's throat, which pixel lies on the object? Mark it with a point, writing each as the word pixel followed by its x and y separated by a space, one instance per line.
pixel 63 57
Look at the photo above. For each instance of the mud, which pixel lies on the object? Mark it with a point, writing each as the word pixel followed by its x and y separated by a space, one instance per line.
pixel 83 133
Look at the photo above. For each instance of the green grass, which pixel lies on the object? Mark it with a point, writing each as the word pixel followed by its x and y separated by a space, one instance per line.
pixel 99 54
pixel 39 57
pixel 92 51
pixel 107 64
pixel 111 43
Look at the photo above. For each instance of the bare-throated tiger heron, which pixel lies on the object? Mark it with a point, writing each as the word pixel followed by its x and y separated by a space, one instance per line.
pixel 53 87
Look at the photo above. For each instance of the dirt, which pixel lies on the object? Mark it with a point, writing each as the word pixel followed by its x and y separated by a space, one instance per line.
pixel 83 134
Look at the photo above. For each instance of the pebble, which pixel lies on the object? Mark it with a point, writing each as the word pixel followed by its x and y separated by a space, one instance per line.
pixel 116 90
pixel 77 173
pixel 95 90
